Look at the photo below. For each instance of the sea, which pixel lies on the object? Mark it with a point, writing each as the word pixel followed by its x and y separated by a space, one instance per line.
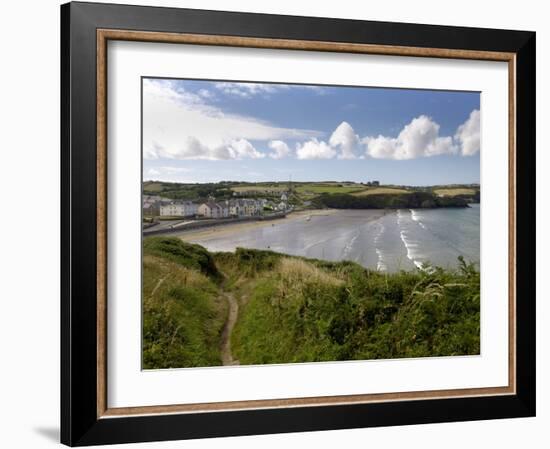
pixel 389 240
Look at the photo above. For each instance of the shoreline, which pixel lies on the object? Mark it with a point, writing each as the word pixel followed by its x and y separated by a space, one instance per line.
pixel 331 234
pixel 228 229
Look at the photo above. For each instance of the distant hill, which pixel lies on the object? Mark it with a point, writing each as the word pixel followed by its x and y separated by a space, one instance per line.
pixel 324 194
pixel 412 199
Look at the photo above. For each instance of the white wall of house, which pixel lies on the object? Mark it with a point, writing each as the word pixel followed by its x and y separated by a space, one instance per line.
pixel 178 210
pixel 213 210
pixel 205 210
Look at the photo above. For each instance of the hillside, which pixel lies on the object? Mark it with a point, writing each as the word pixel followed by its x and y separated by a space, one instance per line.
pixel 403 199
pixel 292 309
pixel 315 194
pixel 183 315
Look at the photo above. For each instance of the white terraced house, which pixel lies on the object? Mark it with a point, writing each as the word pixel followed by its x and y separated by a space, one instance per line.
pixel 252 207
pixel 213 210
pixel 179 209
pixel 236 208
pixel 152 204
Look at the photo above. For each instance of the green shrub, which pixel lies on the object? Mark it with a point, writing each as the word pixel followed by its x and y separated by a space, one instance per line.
pixel 293 309
pixel 415 199
pixel 351 313
pixel 186 254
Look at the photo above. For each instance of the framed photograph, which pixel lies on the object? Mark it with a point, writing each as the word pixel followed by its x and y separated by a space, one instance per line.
pixel 281 224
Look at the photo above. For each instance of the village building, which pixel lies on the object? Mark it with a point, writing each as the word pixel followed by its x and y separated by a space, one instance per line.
pixel 236 208
pixel 245 207
pixel 151 209
pixel 152 204
pixel 179 209
pixel 211 209
pixel 251 207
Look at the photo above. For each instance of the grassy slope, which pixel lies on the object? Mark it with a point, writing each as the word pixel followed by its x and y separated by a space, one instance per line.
pixel 300 310
pixel 183 315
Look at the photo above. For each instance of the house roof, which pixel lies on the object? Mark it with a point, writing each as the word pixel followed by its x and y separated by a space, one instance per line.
pixel 212 205
pixel 180 203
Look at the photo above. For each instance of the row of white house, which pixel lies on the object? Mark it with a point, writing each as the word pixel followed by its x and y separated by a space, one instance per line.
pixel 212 209
pixel 179 209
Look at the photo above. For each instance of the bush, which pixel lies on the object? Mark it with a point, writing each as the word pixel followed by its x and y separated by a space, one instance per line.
pixel 305 311
pixel 416 200
pixel 186 254
pixel 183 316
pixel 293 309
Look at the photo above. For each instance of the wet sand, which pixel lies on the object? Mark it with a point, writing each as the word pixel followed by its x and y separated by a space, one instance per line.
pixel 385 240
pixel 226 231
pixel 324 234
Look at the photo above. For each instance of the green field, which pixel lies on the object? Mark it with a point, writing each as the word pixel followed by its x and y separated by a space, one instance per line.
pixel 153 187
pixel 380 191
pixel 292 309
pixel 301 188
pixel 317 188
pixel 261 188
pixel 454 191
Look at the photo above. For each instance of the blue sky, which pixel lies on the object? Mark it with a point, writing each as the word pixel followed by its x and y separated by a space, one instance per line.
pixel 208 131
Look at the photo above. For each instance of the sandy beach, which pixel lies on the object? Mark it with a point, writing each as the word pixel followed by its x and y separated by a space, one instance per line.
pixel 238 228
pixel 382 239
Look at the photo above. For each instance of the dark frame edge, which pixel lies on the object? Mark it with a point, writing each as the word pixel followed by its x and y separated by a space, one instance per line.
pixel 302 419
pixel 78 226
pixel 79 423
pixel 65 166
pixel 526 223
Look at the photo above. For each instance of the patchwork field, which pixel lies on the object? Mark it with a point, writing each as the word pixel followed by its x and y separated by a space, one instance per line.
pixel 261 188
pixel 316 189
pixel 315 194
pixel 454 191
pixel 380 191
pixel 153 187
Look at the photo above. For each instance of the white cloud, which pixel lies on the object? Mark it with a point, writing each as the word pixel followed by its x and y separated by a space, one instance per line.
pixel 315 149
pixel 205 93
pixel 192 148
pixel 249 90
pixel 319 90
pixel 468 134
pixel 242 148
pixel 420 138
pixel 343 143
pixel 280 149
pixel 345 139
pixel 179 125
pixel 170 169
